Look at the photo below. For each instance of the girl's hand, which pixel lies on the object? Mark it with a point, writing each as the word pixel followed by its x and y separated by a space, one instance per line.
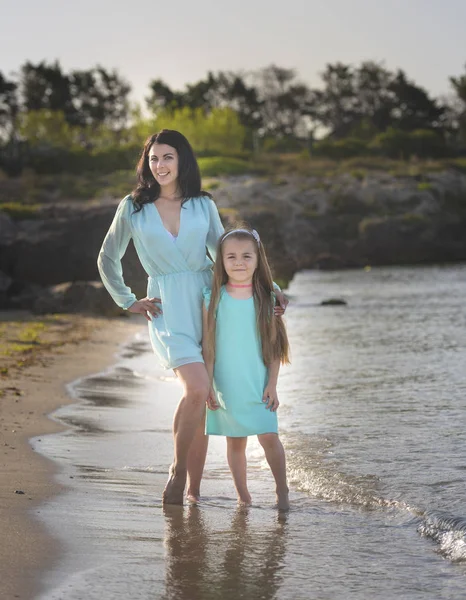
pixel 271 398
pixel 146 305
pixel 212 400
pixel 283 302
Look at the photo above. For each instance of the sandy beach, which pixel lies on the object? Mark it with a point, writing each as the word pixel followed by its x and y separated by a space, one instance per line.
pixel 29 394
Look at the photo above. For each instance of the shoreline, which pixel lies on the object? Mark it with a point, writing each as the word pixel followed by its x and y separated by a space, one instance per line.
pixel 26 477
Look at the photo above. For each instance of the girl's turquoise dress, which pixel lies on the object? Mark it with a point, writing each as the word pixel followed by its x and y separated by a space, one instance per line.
pixel 240 375
pixel 177 268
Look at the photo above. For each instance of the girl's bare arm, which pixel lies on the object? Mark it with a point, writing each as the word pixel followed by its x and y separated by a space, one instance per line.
pixel 270 396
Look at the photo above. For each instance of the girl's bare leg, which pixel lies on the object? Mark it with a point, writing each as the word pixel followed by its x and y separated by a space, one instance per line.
pixel 275 455
pixel 196 461
pixel 236 455
pixel 186 422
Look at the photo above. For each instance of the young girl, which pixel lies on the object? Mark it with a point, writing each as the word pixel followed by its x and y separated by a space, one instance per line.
pixel 243 346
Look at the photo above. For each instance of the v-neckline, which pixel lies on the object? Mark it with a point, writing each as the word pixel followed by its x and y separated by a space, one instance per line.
pixel 174 237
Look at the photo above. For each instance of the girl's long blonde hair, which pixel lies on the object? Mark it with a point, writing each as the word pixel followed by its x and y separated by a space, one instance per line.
pixel 271 329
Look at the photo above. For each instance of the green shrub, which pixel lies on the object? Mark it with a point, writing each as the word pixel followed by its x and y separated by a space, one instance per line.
pixel 20 212
pixel 340 149
pixel 223 165
pixel 211 185
pixel 392 143
pixel 54 160
pixel 424 185
pixel 366 163
pixel 218 131
pixel 285 145
pixel 422 143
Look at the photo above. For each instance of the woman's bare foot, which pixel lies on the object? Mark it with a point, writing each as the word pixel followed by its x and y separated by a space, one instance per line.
pixel 174 489
pixel 283 502
pixel 244 499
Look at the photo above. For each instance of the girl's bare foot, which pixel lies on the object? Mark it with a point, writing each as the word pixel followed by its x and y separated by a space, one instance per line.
pixel 193 494
pixel 283 502
pixel 192 498
pixel 243 504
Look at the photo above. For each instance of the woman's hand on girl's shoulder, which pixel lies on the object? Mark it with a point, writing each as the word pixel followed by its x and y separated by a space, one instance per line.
pixel 146 307
pixel 280 308
pixel 270 397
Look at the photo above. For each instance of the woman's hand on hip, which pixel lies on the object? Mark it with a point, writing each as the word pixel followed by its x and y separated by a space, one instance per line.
pixel 212 400
pixel 282 303
pixel 146 307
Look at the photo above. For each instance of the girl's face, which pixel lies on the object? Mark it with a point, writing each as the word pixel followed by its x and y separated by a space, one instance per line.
pixel 239 259
pixel 163 163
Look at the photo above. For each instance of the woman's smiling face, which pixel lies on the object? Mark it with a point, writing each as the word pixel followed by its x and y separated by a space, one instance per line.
pixel 163 163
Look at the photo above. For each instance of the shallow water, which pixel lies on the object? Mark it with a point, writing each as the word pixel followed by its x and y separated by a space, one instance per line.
pixel 373 418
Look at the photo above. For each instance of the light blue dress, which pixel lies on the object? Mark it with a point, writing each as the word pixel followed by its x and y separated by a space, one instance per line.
pixel 240 375
pixel 177 268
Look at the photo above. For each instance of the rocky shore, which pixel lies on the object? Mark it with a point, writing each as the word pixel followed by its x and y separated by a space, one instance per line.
pixel 48 263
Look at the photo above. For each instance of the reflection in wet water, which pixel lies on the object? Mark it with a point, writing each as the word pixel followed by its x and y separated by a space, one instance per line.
pixel 242 561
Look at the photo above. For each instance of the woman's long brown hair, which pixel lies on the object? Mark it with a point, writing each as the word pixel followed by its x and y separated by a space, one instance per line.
pixel 271 329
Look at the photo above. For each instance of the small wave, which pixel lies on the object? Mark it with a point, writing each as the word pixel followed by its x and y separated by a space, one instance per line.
pixel 148 469
pixel 310 471
pixel 339 487
pixel 446 531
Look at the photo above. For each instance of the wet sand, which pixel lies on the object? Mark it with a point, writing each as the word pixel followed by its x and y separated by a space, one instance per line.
pixel 26 478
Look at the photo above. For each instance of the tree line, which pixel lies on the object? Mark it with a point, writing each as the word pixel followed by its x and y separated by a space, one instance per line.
pixel 355 109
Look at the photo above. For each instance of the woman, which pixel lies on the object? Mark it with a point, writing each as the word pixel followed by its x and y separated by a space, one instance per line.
pixel 172 222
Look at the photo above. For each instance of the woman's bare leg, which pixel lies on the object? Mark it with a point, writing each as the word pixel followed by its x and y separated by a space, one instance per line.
pixel 186 421
pixel 236 455
pixel 196 461
pixel 275 455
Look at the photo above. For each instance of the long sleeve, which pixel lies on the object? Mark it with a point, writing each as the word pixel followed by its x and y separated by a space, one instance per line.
pixel 113 249
pixel 216 229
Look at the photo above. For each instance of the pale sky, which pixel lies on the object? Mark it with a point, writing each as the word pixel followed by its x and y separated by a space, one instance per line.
pixel 181 40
